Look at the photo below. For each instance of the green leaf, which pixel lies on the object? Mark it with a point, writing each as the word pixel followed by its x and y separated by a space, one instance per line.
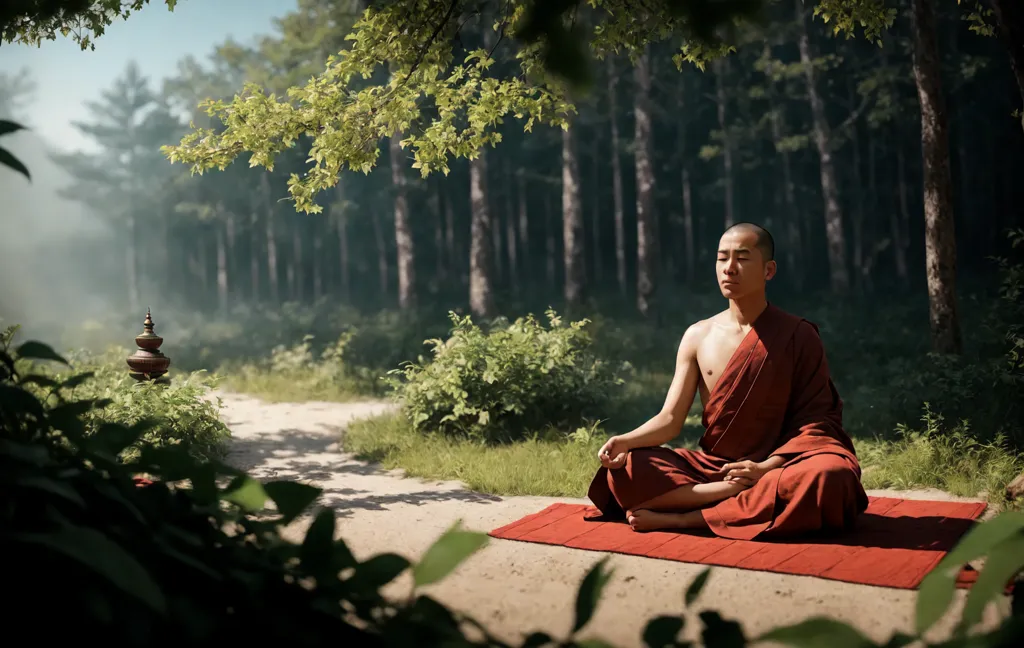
pixel 171 463
pixel 938 586
pixel 291 498
pixel 112 438
pixel 97 552
pixel 721 633
pixel 247 493
pixel 696 587
pixel 1002 564
pixel 378 571
pixel 815 632
pixel 536 640
pixel 316 551
pixel 590 593
pixel 77 379
pixel 8 160
pixel 593 643
pixel 8 127
pixel 46 484
pixel 899 640
pixel 662 631
pixel 447 553
pixel 39 351
pixel 42 381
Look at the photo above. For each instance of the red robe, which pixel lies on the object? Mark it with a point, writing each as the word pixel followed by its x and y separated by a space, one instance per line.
pixel 775 397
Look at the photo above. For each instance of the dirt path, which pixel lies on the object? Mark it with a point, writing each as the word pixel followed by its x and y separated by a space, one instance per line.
pixel 514 587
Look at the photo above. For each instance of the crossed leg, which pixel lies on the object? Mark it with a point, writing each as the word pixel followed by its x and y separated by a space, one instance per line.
pixel 680 508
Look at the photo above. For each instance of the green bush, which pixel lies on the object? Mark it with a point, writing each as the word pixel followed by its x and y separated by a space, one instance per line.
pixel 497 385
pixel 181 411
pixel 185 560
pixel 297 373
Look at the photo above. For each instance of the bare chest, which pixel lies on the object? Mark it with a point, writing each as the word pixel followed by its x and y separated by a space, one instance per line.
pixel 713 356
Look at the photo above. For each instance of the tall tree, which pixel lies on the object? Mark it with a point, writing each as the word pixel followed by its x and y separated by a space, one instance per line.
pixel 834 232
pixel 940 241
pixel 572 221
pixel 646 263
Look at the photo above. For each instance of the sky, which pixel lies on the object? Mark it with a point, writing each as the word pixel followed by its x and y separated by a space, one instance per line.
pixel 155 38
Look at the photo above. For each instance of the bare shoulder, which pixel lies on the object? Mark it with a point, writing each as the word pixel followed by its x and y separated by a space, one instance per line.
pixel 694 336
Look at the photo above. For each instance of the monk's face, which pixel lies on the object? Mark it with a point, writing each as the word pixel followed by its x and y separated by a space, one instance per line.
pixel 741 269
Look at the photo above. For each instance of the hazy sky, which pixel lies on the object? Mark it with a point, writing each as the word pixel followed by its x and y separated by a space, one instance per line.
pixel 155 38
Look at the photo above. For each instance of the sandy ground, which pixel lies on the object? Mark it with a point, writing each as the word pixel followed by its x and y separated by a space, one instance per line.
pixel 516 587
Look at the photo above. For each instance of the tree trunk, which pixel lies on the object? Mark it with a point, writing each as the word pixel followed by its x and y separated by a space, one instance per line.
pixel 721 68
pixel 254 257
pixel 403 232
pixel 859 260
pixel 454 263
pixel 382 253
pixel 549 240
pixel 341 221
pixel 898 219
pixel 834 233
pixel 524 226
pixel 317 261
pixel 572 222
pixel 645 251
pixel 434 203
pixel 222 271
pixel 689 249
pixel 296 274
pixel 595 253
pixel 940 242
pixel 617 200
pixel 481 283
pixel 1010 27
pixel 131 254
pixel 510 230
pixel 794 243
pixel 272 277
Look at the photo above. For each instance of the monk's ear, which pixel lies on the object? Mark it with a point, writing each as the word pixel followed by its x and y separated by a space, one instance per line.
pixel 770 269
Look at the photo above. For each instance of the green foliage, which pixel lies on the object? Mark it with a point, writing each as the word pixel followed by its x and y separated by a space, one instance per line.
pixel 508 469
pixel 33 21
pixel 950 458
pixel 169 563
pixel 7 159
pixel 179 413
pixel 500 384
pixel 845 16
pixel 296 374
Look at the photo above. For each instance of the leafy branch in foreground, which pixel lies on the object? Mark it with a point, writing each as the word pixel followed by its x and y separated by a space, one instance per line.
pixel 33 21
pixel 195 557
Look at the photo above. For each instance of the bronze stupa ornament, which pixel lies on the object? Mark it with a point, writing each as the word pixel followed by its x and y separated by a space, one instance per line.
pixel 147 363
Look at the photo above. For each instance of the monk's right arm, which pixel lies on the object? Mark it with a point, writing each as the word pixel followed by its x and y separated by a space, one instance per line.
pixel 668 423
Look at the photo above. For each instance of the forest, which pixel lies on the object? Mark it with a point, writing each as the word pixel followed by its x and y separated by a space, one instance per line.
pixel 503 215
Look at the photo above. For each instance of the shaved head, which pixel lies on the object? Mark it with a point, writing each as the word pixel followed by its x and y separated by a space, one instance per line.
pixel 765 242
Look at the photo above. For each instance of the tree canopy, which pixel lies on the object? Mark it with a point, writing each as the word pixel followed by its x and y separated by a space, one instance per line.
pixel 412 68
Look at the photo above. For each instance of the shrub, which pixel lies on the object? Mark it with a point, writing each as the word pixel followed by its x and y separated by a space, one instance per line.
pixel 499 384
pixel 166 564
pixel 296 373
pixel 181 411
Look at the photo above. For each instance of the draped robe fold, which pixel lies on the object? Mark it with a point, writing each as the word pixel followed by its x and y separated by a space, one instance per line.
pixel 774 398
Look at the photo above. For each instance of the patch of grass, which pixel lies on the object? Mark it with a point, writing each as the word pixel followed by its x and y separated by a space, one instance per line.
pixel 541 465
pixel 295 374
pixel 949 459
pixel 553 464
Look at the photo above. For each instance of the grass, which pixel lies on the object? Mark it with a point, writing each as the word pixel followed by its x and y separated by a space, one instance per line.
pixel 554 465
pixel 290 387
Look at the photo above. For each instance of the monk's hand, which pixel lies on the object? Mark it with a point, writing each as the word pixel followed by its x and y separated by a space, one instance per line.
pixel 745 473
pixel 613 453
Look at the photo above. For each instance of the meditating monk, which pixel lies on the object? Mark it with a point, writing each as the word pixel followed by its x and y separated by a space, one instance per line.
pixel 774 458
